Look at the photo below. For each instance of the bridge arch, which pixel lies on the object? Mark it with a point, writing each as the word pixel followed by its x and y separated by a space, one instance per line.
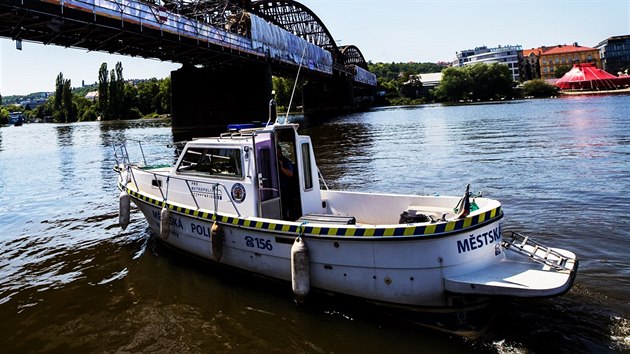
pixel 353 56
pixel 297 19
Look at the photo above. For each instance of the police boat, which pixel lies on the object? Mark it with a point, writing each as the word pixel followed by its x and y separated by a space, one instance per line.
pixel 252 199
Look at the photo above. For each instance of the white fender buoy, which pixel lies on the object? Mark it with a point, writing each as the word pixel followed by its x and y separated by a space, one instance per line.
pixel 300 272
pixel 124 202
pixel 165 223
pixel 216 239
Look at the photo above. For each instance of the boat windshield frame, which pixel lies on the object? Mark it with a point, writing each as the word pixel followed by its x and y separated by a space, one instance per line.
pixel 212 161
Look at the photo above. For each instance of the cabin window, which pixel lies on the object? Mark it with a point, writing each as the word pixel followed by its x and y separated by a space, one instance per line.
pixel 306 160
pixel 217 162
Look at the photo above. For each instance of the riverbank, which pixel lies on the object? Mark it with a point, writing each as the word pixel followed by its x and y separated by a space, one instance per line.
pixel 624 91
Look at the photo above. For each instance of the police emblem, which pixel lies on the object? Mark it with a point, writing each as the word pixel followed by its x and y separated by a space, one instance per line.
pixel 238 193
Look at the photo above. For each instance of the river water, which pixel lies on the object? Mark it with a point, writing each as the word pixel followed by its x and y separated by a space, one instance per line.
pixel 72 281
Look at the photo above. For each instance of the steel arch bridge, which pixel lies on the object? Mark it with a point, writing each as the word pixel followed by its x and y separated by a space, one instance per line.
pixel 290 15
pixel 222 42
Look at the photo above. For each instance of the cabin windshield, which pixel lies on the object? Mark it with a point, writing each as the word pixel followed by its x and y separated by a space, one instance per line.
pixel 216 162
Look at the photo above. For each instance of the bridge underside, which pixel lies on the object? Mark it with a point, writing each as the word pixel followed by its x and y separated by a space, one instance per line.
pixel 205 100
pixel 208 99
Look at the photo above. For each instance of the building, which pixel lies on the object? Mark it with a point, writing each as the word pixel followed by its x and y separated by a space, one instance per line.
pixel 566 55
pixel 462 56
pixel 510 55
pixel 92 96
pixel 530 64
pixel 615 54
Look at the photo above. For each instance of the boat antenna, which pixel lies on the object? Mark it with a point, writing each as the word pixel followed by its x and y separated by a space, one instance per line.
pixel 286 118
pixel 272 108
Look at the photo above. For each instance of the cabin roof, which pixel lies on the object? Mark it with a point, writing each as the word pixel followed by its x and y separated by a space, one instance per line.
pixel 240 136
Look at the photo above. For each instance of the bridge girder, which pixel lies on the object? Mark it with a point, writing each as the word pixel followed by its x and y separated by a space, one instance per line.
pixel 290 15
pixel 352 55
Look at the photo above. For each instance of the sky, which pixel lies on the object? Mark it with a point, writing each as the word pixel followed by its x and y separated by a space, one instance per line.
pixel 384 31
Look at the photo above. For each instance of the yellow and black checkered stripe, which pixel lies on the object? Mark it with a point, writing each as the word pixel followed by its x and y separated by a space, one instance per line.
pixel 350 231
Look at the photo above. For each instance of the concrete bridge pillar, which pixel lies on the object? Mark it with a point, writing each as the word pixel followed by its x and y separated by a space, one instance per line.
pixel 209 99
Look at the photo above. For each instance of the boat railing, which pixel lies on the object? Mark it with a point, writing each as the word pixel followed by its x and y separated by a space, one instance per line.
pixel 121 153
pixel 164 190
pixel 123 163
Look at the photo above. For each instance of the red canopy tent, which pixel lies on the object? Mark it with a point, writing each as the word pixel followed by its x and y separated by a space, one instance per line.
pixel 589 77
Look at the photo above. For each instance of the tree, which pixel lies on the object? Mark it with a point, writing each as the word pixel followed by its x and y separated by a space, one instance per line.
pixel 103 90
pixel 537 70
pixel 456 85
pixel 539 88
pixel 83 105
pixel 58 92
pixel 116 93
pixel 113 99
pixel 490 81
pixel 412 88
pixel 130 102
pixel 165 95
pixel 528 71
pixel 148 100
pixel 4 116
pixel 68 108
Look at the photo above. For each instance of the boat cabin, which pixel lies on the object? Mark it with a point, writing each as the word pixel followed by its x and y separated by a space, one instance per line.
pixel 265 172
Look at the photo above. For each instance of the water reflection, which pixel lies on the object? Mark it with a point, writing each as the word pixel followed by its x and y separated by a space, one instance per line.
pixel 340 149
pixel 66 154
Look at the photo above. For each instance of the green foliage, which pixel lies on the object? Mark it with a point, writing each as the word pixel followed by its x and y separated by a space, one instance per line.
pixel 69 111
pixel 103 91
pixel 404 101
pixel 412 87
pixel 82 106
pixel 284 88
pixel 84 90
pixel 121 100
pixel 134 113
pixel 539 88
pixel 393 71
pixel 4 116
pixel 165 95
pixel 490 81
pixel 398 82
pixel 89 114
pixel 16 99
pixel 456 85
pixel 475 82
pixel 115 99
pixel 58 92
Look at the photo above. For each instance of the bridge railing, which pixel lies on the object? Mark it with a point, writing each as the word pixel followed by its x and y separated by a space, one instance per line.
pixel 266 39
pixel 158 18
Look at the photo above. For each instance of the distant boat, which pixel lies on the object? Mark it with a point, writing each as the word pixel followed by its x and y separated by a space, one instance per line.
pixel 16 118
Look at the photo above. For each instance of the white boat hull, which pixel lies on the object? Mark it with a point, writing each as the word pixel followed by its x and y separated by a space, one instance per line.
pixel 404 271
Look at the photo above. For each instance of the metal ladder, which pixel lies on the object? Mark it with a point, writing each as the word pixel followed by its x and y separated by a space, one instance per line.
pixel 536 252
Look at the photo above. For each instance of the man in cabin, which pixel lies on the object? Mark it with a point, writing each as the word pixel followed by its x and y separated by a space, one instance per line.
pixel 286 179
